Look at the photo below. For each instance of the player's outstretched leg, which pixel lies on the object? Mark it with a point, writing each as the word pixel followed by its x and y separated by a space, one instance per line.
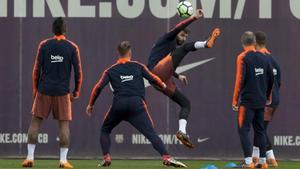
pixel 105 145
pixel 211 40
pixel 111 121
pixel 32 140
pixel 181 52
pixel 141 120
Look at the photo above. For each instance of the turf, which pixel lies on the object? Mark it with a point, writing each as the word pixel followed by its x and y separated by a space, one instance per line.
pixel 128 164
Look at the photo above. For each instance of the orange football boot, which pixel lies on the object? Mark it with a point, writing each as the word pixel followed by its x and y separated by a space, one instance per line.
pixel 27 163
pixel 211 40
pixel 65 165
pixel 263 166
pixel 249 166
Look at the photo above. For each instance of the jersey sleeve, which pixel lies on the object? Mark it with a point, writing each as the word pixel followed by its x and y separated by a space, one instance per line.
pixel 179 27
pixel 76 62
pixel 278 74
pixel 37 68
pixel 103 81
pixel 239 78
pixel 270 78
pixel 152 78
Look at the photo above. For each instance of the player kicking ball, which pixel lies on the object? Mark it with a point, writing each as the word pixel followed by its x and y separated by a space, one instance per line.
pixel 166 56
pixel 51 79
pixel 126 78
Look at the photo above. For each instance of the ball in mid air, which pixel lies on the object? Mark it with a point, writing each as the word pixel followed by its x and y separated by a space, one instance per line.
pixel 185 9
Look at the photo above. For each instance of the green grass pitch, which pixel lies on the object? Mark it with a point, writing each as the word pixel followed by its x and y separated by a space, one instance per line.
pixel 128 164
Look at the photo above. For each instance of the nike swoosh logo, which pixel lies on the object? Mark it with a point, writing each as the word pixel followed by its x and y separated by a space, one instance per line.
pixel 202 140
pixel 186 68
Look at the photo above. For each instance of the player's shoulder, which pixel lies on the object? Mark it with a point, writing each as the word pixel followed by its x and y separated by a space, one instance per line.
pixel 243 55
pixel 45 42
pixel 112 67
pixel 137 63
pixel 72 44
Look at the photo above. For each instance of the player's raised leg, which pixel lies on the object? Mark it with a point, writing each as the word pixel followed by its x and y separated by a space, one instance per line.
pixel 179 53
pixel 32 140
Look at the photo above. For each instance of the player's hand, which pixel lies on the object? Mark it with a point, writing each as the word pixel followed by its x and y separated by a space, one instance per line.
pixel 269 102
pixel 73 97
pixel 34 93
pixel 183 79
pixel 89 110
pixel 198 13
pixel 164 86
pixel 235 108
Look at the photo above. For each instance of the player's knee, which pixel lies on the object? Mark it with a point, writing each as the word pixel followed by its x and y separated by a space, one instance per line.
pixel 244 130
pixel 190 46
pixel 259 132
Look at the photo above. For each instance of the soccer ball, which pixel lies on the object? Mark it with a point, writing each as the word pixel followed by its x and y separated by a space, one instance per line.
pixel 185 9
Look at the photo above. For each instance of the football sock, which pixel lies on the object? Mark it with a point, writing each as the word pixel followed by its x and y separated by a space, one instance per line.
pixel 262 160
pixel 200 44
pixel 182 125
pixel 30 148
pixel 255 152
pixel 270 154
pixel 248 160
pixel 63 154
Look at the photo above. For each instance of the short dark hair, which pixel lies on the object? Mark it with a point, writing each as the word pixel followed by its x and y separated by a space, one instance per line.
pixel 248 38
pixel 124 47
pixel 261 38
pixel 59 26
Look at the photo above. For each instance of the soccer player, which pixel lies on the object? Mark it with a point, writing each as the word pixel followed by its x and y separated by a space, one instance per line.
pixel 261 42
pixel 51 77
pixel 253 86
pixel 126 78
pixel 165 58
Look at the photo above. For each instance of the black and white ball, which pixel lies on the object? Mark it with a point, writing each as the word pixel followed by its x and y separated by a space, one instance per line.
pixel 185 9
